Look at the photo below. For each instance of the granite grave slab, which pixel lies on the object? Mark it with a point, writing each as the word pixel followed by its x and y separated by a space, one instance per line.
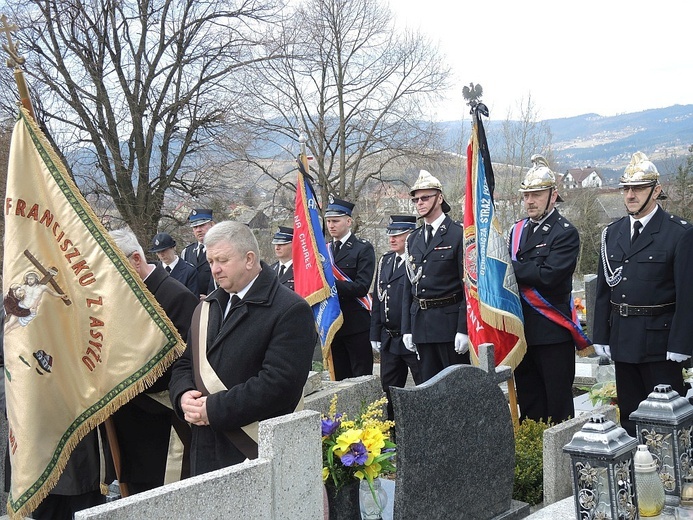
pixel 456 450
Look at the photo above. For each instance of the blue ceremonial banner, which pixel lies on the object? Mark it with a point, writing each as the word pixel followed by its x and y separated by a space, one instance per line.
pixel 313 276
pixel 494 309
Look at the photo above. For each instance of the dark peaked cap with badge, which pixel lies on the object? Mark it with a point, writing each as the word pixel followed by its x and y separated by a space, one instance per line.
pixel 162 242
pixel 200 216
pixel 338 208
pixel 285 235
pixel 401 224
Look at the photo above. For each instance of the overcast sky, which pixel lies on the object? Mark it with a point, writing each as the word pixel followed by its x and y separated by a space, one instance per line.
pixel 573 58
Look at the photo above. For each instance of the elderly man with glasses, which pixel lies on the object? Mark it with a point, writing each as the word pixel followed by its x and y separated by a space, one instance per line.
pixel 642 315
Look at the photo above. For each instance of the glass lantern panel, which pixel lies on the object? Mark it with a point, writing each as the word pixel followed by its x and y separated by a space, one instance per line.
pixel 660 444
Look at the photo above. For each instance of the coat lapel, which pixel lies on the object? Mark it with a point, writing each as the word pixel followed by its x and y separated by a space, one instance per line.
pixel 259 294
pixel 418 242
pixel 645 238
pixel 387 275
pixel 345 247
pixel 539 234
pixel 235 317
pixel 437 237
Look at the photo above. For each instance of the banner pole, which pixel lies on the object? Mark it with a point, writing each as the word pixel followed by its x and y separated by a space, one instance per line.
pixel 16 61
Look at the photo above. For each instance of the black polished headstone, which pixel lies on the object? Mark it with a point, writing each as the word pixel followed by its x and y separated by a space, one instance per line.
pixel 455 449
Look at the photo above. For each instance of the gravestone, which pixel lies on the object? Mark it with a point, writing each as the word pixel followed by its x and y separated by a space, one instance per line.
pixel 455 448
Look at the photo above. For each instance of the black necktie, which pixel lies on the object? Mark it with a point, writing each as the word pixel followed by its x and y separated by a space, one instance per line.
pixel 529 231
pixel 168 268
pixel 398 262
pixel 637 226
pixel 429 234
pixel 232 303
pixel 335 248
pixel 200 252
pixel 282 270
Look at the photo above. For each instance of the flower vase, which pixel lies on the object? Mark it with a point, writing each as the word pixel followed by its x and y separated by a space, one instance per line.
pixel 344 504
pixel 372 501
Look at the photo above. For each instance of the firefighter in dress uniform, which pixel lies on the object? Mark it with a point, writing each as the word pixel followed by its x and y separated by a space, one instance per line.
pixel 642 315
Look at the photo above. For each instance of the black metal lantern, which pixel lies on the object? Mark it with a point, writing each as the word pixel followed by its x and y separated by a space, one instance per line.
pixel 601 459
pixel 664 422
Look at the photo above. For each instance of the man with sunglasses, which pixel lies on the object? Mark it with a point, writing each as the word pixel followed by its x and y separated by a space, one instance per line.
pixel 434 311
pixel 642 315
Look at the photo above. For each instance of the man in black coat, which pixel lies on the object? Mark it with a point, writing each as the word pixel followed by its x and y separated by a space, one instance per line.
pixel 386 318
pixel 544 248
pixel 355 258
pixel 165 248
pixel 143 425
pixel 253 362
pixel 284 266
pixel 434 312
pixel 642 315
pixel 201 221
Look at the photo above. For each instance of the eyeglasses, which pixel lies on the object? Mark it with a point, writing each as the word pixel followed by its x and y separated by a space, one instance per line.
pixel 635 189
pixel 422 198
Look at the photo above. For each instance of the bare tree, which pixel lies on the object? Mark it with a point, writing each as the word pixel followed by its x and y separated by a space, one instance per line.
pixel 135 90
pixel 583 210
pixel 680 188
pixel 356 87
pixel 5 137
pixel 520 139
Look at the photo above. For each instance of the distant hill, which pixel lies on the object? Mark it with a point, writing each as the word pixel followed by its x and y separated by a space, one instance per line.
pixel 607 143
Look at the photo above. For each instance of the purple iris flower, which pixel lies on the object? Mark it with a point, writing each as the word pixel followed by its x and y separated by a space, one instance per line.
pixel 330 426
pixel 356 456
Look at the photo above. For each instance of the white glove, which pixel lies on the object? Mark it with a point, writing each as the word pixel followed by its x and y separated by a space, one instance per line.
pixel 602 350
pixel 675 356
pixel 375 345
pixel 461 343
pixel 408 341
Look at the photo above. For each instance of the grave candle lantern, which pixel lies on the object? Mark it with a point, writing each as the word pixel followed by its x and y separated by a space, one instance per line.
pixel 664 422
pixel 601 460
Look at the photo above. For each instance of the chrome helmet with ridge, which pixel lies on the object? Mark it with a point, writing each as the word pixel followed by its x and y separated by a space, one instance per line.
pixel 539 178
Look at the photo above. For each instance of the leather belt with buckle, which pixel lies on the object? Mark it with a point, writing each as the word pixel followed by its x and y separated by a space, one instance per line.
pixel 623 309
pixel 393 333
pixel 435 303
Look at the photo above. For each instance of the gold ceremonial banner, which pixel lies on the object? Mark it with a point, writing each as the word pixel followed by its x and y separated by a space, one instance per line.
pixel 82 333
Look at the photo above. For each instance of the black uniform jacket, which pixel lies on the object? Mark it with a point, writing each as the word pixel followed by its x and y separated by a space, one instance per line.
pixel 262 353
pixel 287 278
pixel 186 274
pixel 386 318
pixel 656 271
pixel 546 262
pixel 442 275
pixel 205 282
pixel 356 259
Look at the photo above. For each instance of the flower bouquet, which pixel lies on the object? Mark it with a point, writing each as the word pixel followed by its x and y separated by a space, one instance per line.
pixel 356 449
pixel 603 393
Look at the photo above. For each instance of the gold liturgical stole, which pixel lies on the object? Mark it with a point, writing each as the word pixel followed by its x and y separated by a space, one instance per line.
pixel 82 334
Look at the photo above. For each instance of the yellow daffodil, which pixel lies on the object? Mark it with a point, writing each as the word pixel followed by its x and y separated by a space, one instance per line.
pixel 345 440
pixel 373 440
pixel 357 448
